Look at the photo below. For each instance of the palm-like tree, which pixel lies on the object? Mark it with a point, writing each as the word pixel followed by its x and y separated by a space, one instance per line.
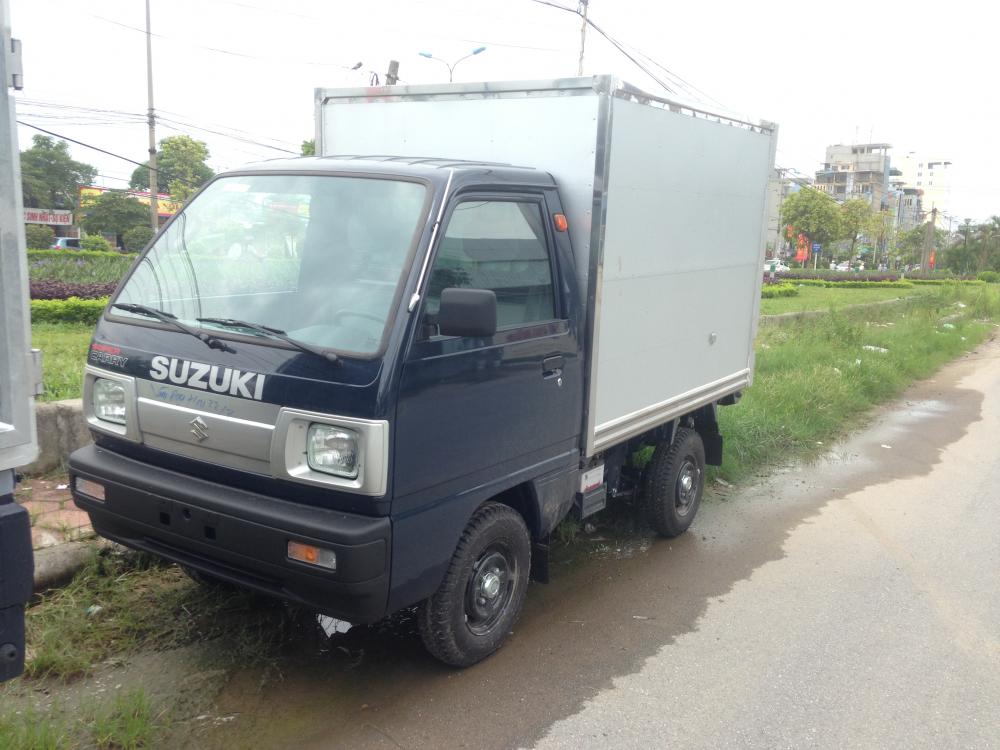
pixel 988 236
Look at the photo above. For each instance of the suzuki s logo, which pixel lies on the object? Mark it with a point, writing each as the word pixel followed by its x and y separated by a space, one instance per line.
pixel 199 429
pixel 208 377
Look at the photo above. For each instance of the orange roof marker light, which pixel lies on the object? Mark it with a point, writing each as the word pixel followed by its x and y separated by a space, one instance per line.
pixel 560 222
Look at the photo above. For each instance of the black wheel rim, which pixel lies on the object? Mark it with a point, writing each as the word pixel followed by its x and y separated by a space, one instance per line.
pixel 686 489
pixel 490 589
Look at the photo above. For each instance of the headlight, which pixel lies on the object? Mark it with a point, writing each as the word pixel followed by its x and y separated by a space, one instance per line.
pixel 109 400
pixel 333 450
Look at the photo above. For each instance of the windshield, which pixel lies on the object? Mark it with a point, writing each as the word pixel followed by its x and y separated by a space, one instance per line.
pixel 319 257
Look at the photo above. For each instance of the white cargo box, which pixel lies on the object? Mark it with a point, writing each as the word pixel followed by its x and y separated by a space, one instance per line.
pixel 666 206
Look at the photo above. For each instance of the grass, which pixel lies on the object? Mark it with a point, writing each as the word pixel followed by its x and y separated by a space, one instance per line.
pixel 64 353
pixel 122 602
pixel 129 722
pixel 822 298
pixel 814 379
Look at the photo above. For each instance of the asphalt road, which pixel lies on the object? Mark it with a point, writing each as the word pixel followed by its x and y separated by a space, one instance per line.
pixel 851 604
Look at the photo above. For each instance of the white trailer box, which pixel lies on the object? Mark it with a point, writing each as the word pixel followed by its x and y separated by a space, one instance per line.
pixel 666 206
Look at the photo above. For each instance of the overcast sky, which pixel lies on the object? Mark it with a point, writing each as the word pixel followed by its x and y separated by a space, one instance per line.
pixel 919 76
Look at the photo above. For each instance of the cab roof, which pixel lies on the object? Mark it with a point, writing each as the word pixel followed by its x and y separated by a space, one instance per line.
pixel 434 169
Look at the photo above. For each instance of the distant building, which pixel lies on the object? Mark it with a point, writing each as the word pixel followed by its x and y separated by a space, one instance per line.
pixel 779 187
pixel 932 177
pixel 906 205
pixel 859 170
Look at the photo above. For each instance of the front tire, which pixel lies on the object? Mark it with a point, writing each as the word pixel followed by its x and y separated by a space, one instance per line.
pixel 480 598
pixel 673 483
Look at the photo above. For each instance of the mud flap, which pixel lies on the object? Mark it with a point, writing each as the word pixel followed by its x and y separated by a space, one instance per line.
pixel 16 582
pixel 540 560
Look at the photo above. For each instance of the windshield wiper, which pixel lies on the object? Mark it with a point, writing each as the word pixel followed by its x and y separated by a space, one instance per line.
pixel 274 333
pixel 164 317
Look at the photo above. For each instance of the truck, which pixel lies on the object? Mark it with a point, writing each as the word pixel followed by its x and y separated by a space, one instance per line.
pixel 380 377
pixel 20 372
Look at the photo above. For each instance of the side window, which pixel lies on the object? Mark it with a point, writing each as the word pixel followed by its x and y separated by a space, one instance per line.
pixel 498 245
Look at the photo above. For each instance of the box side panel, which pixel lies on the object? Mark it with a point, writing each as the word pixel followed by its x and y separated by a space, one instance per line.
pixel 681 266
pixel 554 132
pixel 18 444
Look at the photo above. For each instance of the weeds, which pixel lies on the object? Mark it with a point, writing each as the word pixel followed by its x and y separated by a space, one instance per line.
pixel 123 601
pixel 128 723
pixel 815 379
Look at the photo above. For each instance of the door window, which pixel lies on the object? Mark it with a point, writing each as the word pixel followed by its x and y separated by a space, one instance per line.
pixel 498 245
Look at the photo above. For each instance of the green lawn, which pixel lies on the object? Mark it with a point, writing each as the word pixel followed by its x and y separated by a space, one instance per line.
pixel 64 352
pixel 824 298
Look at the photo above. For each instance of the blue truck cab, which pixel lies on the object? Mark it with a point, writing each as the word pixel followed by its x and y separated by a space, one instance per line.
pixel 366 383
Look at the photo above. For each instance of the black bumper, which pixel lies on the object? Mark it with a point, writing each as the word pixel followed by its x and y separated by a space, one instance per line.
pixel 239 536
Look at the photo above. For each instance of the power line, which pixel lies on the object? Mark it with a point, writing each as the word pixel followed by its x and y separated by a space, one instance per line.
pixel 129 117
pixel 161 118
pixel 105 151
pixel 219 50
pixel 615 43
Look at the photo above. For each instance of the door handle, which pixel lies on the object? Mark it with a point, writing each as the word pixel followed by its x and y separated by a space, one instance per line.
pixel 552 366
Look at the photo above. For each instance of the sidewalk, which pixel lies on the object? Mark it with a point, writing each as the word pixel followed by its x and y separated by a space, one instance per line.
pixel 54 518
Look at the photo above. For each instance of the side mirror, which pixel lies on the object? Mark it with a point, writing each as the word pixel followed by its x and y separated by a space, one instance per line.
pixel 467 312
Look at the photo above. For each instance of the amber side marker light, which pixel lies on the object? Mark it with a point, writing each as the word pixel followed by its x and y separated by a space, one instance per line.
pixel 560 222
pixel 310 555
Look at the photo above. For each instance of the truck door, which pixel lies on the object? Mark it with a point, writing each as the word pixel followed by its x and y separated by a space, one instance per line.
pixel 472 411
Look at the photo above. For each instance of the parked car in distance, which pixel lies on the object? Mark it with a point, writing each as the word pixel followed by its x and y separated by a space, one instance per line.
pixel 775 264
pixel 66 243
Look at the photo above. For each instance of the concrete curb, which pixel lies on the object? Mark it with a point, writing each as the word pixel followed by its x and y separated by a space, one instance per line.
pixel 61 430
pixel 56 565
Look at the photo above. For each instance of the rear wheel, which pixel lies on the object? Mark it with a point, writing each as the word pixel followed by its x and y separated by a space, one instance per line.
pixel 673 483
pixel 480 598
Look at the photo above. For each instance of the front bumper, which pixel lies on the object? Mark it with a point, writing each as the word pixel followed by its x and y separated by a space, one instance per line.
pixel 238 536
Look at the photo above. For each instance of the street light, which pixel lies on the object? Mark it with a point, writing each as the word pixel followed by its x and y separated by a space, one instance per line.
pixel 452 66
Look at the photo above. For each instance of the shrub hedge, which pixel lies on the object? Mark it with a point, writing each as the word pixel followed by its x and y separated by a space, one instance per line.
pixel 51 289
pixel 72 310
pixel 941 282
pixel 990 277
pixel 78 266
pixel 778 290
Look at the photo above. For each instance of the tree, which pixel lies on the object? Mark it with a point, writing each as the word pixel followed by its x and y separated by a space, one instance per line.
pixel 135 239
pixel 856 220
pixel 49 175
pixel 309 148
pixel 180 167
pixel 814 214
pixel 114 213
pixel 38 236
pixel 988 239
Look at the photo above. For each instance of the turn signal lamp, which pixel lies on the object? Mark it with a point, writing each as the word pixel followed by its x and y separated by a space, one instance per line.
pixel 310 555
pixel 560 222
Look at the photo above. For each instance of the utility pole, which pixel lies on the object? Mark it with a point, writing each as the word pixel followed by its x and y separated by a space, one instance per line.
pixel 925 256
pixel 392 77
pixel 154 209
pixel 582 10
